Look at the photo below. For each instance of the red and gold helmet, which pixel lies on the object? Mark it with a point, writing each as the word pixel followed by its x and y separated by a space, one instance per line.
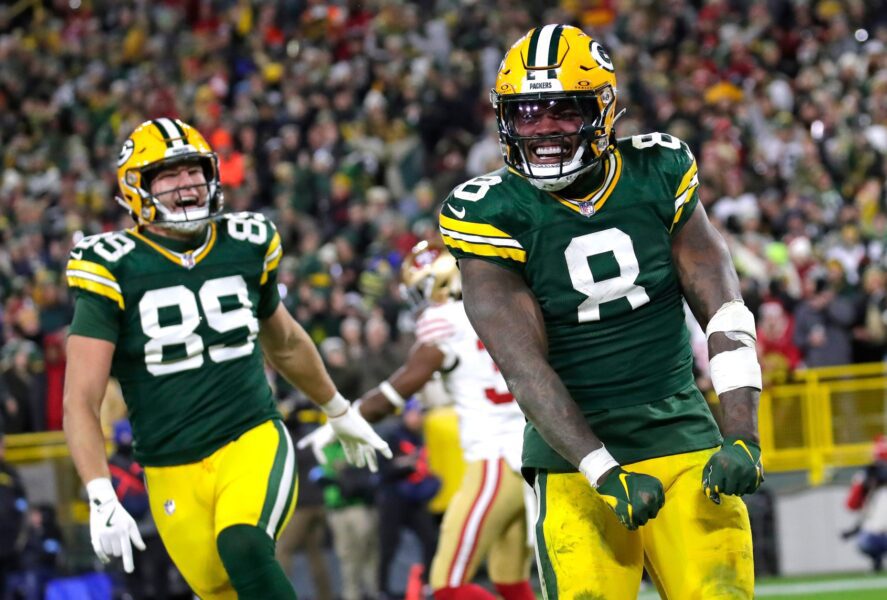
pixel 556 65
pixel 429 274
pixel 155 145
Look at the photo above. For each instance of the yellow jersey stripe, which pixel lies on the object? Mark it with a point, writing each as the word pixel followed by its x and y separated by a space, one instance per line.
pixel 97 288
pixel 271 261
pixel 273 246
pixel 202 252
pixel 677 216
pixel 687 179
pixel 90 267
pixel 475 228
pixel 603 193
pixel 486 249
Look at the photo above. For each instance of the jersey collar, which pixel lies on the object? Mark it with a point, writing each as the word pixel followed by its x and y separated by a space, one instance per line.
pixel 592 203
pixel 188 259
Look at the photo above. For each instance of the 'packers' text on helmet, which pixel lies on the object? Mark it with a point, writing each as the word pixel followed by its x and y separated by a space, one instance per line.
pixel 555 103
pixel 159 144
pixel 430 275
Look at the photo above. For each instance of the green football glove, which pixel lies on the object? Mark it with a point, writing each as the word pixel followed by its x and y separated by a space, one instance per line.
pixel 734 470
pixel 634 497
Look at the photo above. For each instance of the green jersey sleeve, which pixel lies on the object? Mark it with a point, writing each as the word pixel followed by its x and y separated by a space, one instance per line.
pixel 667 168
pixel 269 297
pixel 473 224
pixel 95 317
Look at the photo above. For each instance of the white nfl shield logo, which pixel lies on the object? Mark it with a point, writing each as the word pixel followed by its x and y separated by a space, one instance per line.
pixel 169 506
pixel 586 209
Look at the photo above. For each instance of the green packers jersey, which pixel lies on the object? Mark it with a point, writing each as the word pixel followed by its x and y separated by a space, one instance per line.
pixel 602 272
pixel 184 326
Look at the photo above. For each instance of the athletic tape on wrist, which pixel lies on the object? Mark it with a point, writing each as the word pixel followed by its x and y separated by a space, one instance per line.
pixel 595 464
pixel 735 369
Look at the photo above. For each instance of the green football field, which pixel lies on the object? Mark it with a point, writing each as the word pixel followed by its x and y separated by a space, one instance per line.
pixel 855 586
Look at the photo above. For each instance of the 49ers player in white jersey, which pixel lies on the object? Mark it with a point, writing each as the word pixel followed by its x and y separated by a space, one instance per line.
pixel 486 518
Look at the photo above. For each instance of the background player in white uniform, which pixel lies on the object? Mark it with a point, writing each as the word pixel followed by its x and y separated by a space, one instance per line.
pixel 486 517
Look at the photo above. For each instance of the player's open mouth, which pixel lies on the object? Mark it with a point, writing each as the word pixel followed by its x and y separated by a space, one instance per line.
pixel 549 153
pixel 188 202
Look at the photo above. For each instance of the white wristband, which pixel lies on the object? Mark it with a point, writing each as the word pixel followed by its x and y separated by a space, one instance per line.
pixel 391 395
pixel 336 407
pixel 100 490
pixel 595 464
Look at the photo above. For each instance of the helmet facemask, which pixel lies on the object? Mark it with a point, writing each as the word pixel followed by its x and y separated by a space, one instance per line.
pixel 194 218
pixel 581 148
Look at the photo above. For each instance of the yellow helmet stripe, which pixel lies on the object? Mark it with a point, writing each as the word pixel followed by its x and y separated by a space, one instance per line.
pixel 542 51
pixel 172 134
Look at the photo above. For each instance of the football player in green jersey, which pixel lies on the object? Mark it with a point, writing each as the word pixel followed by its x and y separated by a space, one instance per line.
pixel 173 309
pixel 576 258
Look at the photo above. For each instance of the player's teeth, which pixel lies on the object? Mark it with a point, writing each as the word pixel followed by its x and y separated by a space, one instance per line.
pixel 549 150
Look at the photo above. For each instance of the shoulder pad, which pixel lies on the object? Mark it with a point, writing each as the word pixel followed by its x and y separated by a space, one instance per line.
pixel 257 230
pixel 478 219
pixel 93 261
pixel 670 158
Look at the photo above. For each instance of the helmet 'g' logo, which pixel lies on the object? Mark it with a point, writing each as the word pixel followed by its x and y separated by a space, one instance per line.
pixel 125 152
pixel 601 56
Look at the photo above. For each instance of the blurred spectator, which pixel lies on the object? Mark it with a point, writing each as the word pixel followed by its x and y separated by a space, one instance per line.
pixel 23 407
pixel 870 335
pixel 824 319
pixel 348 495
pixel 13 508
pixel 777 352
pixel 382 357
pixel 406 488
pixel 307 529
pixel 345 374
pixel 868 496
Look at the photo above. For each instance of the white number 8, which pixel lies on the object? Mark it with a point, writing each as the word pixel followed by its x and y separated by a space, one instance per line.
pixel 483 185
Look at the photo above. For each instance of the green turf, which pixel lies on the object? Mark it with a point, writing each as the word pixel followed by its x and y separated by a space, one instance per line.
pixel 853 586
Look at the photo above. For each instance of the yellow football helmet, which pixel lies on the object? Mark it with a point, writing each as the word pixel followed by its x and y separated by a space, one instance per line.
pixel 556 67
pixel 158 144
pixel 430 274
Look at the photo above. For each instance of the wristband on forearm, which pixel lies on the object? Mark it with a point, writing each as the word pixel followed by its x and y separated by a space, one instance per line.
pixel 595 464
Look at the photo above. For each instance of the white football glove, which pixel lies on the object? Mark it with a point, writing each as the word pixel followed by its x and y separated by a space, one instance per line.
pixel 112 530
pixel 359 441
pixel 318 439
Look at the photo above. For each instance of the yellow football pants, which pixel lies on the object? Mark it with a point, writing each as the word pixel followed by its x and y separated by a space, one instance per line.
pixel 694 549
pixel 249 481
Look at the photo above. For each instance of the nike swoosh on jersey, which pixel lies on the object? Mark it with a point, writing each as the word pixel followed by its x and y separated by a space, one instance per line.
pixel 460 214
pixel 78 254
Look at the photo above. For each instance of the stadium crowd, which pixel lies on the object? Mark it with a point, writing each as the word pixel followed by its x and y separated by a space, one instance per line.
pixel 348 122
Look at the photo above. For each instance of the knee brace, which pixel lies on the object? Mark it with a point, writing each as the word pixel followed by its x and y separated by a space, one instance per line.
pixel 248 555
